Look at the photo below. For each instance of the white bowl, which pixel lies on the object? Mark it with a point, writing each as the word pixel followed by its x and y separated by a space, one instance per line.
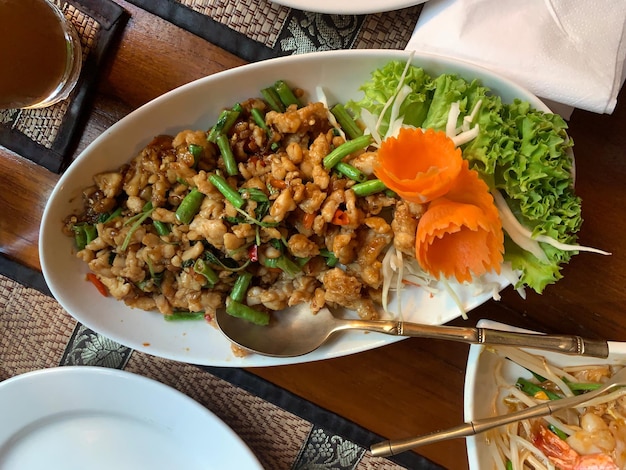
pixel 481 394
pixel 196 106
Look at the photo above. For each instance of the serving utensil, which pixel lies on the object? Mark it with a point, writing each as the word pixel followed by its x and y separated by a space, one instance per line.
pixel 296 331
pixel 393 447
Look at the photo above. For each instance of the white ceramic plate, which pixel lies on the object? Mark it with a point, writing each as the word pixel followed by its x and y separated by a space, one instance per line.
pixel 349 7
pixel 195 106
pixel 481 389
pixel 72 418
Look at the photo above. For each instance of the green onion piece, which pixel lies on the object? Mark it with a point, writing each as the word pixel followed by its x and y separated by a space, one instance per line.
pixel 161 228
pixel 271 97
pixel 137 222
pixel 532 389
pixel 106 218
pixel 227 155
pixel 350 172
pixel 582 386
pixel 255 194
pixel 331 259
pixel 347 123
pixel 203 268
pixel 509 465
pixel 557 431
pixel 238 294
pixel 190 206
pixel 184 316
pixel 227 191
pixel 346 149
pixel 224 122
pixel 368 187
pixel 240 310
pixel 285 94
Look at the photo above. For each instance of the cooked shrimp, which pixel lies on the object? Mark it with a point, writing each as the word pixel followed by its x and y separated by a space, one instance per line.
pixel 565 457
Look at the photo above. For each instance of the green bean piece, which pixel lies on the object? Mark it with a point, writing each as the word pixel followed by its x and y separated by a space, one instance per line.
pixel 84 234
pixel 227 155
pixel 368 187
pixel 190 206
pixel 509 465
pixel 345 149
pixel 532 389
pixel 240 310
pixel 287 266
pixel 161 228
pixel 196 151
pixel 203 268
pixel 285 94
pixel 238 294
pixel 259 119
pixel 347 123
pixel 227 191
pixel 350 172
pixel 225 121
pixel 271 97
pixel 183 316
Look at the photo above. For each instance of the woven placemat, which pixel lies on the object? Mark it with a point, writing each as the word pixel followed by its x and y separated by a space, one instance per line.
pixel 46 135
pixel 259 29
pixel 283 430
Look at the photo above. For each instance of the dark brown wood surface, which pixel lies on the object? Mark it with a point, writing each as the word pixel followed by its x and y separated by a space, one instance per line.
pixel 411 387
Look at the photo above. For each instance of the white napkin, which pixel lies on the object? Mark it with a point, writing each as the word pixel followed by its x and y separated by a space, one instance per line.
pixel 567 51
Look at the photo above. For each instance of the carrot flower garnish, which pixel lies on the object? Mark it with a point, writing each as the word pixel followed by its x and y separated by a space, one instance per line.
pixel 419 165
pixel 460 234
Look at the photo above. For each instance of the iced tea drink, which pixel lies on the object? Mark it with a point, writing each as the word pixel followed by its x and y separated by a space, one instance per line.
pixel 40 54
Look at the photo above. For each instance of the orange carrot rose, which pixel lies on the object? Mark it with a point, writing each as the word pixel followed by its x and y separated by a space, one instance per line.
pixel 460 234
pixel 418 165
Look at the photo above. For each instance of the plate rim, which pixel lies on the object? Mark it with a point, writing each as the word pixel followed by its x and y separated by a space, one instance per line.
pixel 355 7
pixel 124 382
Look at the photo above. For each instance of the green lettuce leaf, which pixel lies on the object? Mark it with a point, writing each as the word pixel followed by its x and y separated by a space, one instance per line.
pixel 523 153
pixel 450 89
pixel 382 87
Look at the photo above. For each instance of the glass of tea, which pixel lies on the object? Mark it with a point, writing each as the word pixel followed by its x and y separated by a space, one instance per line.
pixel 40 54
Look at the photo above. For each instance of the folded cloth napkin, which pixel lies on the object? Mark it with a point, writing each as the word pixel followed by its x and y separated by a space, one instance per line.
pixel 566 51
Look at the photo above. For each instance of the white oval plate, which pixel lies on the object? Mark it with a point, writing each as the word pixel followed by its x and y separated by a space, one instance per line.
pixel 482 398
pixel 349 7
pixel 72 418
pixel 195 106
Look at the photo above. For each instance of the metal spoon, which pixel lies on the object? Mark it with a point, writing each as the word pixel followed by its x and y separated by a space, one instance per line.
pixel 296 331
pixel 387 448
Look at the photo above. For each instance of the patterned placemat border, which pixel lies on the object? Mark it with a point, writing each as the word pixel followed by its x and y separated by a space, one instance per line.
pixel 47 135
pixel 260 29
pixel 46 336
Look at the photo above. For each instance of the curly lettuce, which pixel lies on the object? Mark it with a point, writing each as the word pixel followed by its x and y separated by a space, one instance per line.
pixel 522 153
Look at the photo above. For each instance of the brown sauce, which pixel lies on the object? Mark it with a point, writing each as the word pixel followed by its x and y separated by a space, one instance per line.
pixel 33 52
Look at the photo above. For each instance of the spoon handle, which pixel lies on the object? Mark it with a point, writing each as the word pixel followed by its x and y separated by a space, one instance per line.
pixel 564 344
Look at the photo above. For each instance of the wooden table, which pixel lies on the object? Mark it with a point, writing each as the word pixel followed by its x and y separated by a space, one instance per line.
pixel 410 387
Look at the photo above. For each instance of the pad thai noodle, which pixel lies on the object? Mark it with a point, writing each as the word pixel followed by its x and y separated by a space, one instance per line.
pixel 592 436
